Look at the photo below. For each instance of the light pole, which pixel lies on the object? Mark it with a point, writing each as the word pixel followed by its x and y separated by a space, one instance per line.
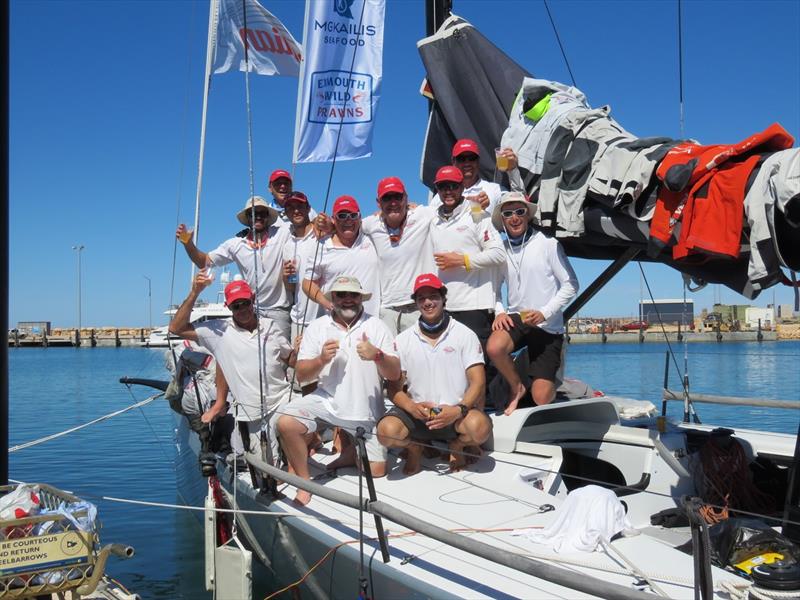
pixel 149 301
pixel 79 248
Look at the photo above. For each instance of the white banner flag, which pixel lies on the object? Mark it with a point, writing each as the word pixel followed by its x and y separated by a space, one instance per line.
pixel 341 79
pixel 271 49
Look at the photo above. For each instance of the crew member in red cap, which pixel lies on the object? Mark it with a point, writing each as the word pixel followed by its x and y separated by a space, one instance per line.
pixel 234 343
pixel 468 253
pixel 443 366
pixel 466 156
pixel 347 252
pixel 401 235
pixel 259 256
pixel 297 253
pixel 280 186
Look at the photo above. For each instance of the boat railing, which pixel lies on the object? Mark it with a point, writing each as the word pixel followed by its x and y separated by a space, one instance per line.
pixel 675 395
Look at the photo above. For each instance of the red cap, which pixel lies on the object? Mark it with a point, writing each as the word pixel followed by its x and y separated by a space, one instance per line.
pixel 237 290
pixel 277 174
pixel 345 203
pixel 390 185
pixel 465 145
pixel 296 197
pixel 428 280
pixel 449 173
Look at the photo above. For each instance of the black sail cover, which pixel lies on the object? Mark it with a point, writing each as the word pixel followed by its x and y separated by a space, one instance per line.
pixel 474 87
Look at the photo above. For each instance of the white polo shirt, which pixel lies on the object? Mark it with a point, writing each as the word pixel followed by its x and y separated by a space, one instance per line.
pixel 400 263
pixel 473 289
pixel 438 373
pixel 493 190
pixel 359 260
pixel 236 351
pixel 265 264
pixel 302 250
pixel 349 386
pixel 539 277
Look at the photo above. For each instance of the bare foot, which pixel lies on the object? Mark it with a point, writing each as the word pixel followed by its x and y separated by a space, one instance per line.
pixel 302 498
pixel 314 444
pixel 516 396
pixel 413 460
pixel 473 453
pixel 346 459
pixel 457 459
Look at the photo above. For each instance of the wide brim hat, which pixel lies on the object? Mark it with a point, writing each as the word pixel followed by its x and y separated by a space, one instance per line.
pixel 256 202
pixel 345 283
pixel 506 199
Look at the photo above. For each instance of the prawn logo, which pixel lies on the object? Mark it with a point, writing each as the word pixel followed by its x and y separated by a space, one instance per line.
pixel 340 97
pixel 342 8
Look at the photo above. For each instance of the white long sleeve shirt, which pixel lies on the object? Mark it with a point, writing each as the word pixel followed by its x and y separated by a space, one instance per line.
pixel 472 289
pixel 539 277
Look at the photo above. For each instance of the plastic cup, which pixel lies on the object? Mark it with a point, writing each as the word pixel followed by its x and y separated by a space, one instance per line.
pixel 523 314
pixel 501 159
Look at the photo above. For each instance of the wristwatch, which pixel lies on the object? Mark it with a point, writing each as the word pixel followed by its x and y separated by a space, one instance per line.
pixel 464 409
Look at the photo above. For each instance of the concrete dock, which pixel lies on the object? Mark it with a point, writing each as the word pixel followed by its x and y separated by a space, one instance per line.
pixel 87 337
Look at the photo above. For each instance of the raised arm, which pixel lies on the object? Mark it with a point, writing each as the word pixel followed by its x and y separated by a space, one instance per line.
pixel 314 292
pixel 197 256
pixel 180 325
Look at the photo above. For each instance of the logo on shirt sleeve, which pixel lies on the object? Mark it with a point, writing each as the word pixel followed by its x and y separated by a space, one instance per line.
pixel 485 235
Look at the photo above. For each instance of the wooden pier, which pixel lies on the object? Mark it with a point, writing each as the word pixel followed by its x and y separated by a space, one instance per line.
pixel 85 337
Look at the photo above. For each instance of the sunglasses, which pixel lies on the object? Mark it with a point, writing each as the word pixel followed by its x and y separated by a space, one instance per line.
pixel 507 214
pixel 240 304
pixel 347 294
pixel 447 186
pixel 260 215
pixel 347 216
pixel 466 158
pixel 392 198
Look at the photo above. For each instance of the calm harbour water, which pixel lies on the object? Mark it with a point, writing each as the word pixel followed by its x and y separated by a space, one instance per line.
pixel 131 456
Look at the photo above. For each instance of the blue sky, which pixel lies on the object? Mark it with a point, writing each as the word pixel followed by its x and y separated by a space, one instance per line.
pixel 105 116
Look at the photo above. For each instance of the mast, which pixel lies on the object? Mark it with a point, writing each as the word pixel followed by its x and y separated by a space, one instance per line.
pixel 213 15
pixel 4 232
pixel 436 12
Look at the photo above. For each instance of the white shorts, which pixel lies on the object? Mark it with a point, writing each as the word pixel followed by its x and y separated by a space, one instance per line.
pixel 310 411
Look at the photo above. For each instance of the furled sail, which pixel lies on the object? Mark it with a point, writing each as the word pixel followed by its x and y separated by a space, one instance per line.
pixel 724 213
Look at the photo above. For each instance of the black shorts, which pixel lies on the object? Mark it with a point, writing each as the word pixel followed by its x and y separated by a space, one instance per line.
pixel 418 430
pixel 544 349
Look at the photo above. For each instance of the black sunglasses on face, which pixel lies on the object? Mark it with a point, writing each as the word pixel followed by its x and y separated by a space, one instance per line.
pixel 260 215
pixel 507 214
pixel 240 304
pixel 466 158
pixel 344 216
pixel 392 198
pixel 347 294
pixel 447 186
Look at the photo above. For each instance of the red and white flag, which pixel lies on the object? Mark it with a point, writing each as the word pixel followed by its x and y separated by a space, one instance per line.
pixel 271 49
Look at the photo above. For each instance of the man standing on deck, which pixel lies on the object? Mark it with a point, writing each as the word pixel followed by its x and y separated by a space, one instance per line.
pixel 349 352
pixel 468 253
pixel 298 252
pixel 259 256
pixel 347 252
pixel 541 283
pixel 445 379
pixel 466 156
pixel 401 236
pixel 236 343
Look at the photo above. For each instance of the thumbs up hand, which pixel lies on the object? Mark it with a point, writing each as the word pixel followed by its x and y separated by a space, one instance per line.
pixel 366 351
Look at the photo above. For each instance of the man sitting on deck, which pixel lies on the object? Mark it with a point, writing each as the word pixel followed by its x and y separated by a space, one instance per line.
pixel 444 371
pixel 541 283
pixel 349 352
pixel 234 343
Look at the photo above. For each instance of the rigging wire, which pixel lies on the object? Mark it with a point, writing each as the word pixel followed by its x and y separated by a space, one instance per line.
pixel 560 45
pixel 680 67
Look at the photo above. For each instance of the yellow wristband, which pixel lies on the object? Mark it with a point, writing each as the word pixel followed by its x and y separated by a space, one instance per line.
pixel 467 264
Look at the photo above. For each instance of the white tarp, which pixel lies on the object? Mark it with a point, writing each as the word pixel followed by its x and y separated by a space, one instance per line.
pixel 271 49
pixel 341 79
